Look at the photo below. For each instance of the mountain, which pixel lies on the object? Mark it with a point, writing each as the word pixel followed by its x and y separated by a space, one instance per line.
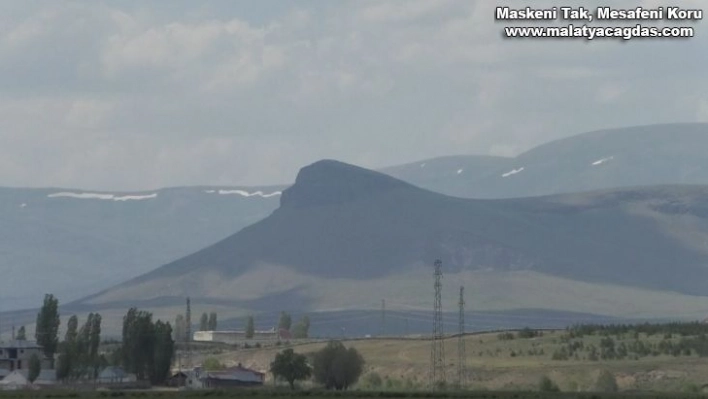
pixel 635 156
pixel 73 242
pixel 51 236
pixel 345 237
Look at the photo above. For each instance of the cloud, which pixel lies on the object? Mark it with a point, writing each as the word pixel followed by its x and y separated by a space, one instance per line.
pixel 138 95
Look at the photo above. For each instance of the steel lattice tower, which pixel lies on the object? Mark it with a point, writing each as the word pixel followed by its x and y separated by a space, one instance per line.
pixel 437 353
pixel 461 353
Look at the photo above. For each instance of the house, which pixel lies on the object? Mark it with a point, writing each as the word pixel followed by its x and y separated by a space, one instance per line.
pixel 15 355
pixel 115 375
pixel 232 377
pixel 194 378
pixel 178 379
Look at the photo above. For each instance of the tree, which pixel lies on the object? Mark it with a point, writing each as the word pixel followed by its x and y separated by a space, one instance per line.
pixel 71 329
pixel 290 366
pixel 21 334
pixel 250 328
pixel 163 351
pixel 606 382
pixel 302 328
pixel 212 321
pixel 204 322
pixel 337 367
pixel 35 366
pixel 68 350
pixel 138 343
pixel 147 348
pixel 94 343
pixel 47 326
pixel 285 321
pixel 180 329
pixel 87 343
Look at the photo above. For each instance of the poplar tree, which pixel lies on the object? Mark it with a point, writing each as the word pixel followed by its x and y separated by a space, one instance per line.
pixel 47 327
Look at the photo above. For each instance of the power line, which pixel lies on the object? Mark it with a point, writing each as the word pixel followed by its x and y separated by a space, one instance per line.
pixel 437 352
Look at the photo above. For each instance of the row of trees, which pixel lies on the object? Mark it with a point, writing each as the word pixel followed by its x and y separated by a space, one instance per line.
pixel 683 329
pixel 300 330
pixel 207 322
pixel 78 354
pixel 147 347
pixel 334 366
pixel 609 349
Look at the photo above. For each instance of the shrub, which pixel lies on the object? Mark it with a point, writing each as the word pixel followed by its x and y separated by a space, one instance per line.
pixel 547 385
pixel 606 382
pixel 337 367
pixel 373 380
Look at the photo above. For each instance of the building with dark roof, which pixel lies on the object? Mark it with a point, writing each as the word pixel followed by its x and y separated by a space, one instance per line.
pixel 232 377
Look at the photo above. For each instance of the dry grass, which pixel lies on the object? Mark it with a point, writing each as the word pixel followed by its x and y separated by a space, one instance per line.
pixel 492 366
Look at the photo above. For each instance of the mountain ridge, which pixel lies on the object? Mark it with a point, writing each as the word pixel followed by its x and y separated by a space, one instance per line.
pixel 624 237
pixel 609 158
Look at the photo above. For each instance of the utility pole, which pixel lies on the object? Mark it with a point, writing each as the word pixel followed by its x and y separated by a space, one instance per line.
pixel 188 333
pixel 461 353
pixel 437 353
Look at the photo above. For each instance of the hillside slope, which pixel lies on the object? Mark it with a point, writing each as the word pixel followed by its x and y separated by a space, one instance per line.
pixel 73 242
pixel 346 232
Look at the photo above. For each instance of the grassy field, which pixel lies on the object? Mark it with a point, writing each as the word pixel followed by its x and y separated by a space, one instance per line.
pixel 497 364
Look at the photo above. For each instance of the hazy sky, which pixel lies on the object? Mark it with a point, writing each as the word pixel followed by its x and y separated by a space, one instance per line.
pixel 131 95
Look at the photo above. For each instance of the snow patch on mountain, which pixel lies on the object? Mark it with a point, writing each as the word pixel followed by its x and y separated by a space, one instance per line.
pixel 110 197
pixel 513 172
pixel 135 197
pixel 601 161
pixel 244 193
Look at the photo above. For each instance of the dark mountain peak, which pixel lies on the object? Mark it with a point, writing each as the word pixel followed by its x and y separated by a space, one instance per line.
pixel 330 182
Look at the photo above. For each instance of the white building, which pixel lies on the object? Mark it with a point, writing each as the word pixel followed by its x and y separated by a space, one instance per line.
pixel 15 355
pixel 239 337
